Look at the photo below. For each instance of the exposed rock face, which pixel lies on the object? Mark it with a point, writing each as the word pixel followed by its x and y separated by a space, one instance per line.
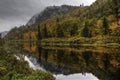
pixel 50 12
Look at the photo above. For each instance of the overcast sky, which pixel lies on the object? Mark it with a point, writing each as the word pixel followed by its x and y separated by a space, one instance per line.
pixel 18 12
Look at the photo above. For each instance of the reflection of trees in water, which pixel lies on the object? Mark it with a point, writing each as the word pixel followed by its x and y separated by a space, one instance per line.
pixel 98 63
pixel 67 57
pixel 117 75
pixel 74 57
pixel 87 55
pixel 45 55
pixel 39 48
pixel 60 55
pixel 106 60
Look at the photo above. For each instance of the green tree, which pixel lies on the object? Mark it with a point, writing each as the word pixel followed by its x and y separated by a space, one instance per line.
pixel 105 26
pixel 30 39
pixel 59 31
pixel 86 31
pixel 20 36
pixel 2 40
pixel 74 29
pixel 0 36
pixel 39 37
pixel 115 6
pixel 57 20
pixel 45 31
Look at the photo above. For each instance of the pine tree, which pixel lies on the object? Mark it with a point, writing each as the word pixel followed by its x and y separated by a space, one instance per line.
pixel 105 26
pixel 45 31
pixel 74 29
pixel 39 37
pixel 0 36
pixel 86 32
pixel 30 39
pixel 59 31
pixel 57 20
pixel 115 6
pixel 0 40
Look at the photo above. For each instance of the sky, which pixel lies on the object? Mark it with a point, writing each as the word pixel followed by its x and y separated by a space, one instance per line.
pixel 18 12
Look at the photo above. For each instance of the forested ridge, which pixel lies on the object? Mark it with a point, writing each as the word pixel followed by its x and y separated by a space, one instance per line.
pixel 94 24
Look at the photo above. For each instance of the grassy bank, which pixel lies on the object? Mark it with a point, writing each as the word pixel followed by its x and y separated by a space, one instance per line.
pixel 99 41
pixel 13 69
pixel 82 41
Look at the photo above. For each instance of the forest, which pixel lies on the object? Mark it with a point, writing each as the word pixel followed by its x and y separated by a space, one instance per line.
pixel 94 24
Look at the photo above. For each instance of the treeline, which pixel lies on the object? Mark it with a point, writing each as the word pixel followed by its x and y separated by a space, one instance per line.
pixel 100 18
pixel 71 28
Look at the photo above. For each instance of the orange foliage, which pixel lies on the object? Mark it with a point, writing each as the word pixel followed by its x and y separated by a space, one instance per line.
pixel 115 64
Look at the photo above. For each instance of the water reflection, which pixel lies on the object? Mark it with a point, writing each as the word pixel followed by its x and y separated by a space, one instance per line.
pixel 87 55
pixel 79 76
pixel 102 62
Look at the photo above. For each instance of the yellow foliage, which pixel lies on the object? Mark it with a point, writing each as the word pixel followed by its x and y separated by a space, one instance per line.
pixel 2 68
pixel 115 24
pixel 26 36
pixel 33 35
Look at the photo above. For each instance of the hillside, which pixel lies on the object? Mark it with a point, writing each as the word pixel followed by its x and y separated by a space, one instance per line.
pixel 94 24
pixel 49 12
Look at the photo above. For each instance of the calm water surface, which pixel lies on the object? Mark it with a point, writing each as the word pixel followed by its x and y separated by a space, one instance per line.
pixel 74 63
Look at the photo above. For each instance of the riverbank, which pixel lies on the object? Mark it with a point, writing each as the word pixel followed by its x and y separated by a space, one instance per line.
pixel 13 69
pixel 103 41
pixel 98 41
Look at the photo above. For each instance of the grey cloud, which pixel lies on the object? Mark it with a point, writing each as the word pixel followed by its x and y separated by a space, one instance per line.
pixel 18 12
pixel 16 8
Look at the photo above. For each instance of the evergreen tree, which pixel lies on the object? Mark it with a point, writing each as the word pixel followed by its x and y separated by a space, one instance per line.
pixel 30 39
pixel 20 36
pixel 45 31
pixel 0 36
pixel 115 6
pixel 105 26
pixel 86 32
pixel 74 29
pixel 57 19
pixel 0 40
pixel 59 31
pixel 39 37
